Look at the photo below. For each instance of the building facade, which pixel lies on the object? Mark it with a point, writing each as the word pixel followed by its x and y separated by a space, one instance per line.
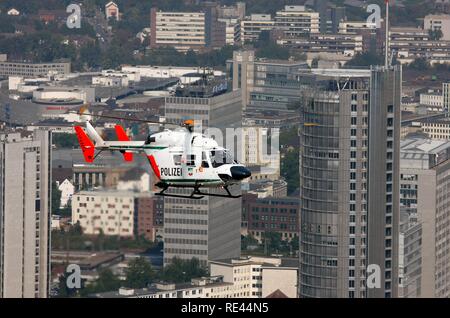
pixel 187 30
pixel 346 195
pixel 423 187
pixel 297 20
pixel 112 11
pixel 439 22
pixel 25 199
pixel 253 25
pixel 276 215
pixel 150 217
pixel 258 277
pixel 33 69
pixel 265 84
pixel 108 212
pixel 208 228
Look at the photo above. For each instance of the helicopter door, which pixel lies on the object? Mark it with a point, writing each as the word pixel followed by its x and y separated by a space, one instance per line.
pixel 205 162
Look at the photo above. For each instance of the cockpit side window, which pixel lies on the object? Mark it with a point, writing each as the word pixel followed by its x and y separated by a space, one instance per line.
pixel 220 157
pixel 205 163
pixel 177 160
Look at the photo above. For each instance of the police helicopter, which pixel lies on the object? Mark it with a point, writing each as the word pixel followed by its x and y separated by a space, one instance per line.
pixel 179 158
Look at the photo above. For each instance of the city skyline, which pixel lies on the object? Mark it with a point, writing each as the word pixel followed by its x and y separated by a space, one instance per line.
pixel 224 149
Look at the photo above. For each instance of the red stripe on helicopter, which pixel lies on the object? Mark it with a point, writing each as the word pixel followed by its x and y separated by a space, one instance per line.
pixel 122 136
pixel 154 166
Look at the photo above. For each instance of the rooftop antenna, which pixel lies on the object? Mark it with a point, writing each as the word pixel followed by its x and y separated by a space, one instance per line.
pixel 386 58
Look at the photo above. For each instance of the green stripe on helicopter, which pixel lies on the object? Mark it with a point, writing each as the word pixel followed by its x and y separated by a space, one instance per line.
pixel 138 147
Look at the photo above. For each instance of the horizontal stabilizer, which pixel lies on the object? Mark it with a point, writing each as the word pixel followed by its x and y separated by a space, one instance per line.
pixel 122 136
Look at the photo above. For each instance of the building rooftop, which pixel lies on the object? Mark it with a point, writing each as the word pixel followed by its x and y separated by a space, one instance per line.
pixel 423 153
pixel 438 16
pixel 115 193
pixel 87 260
pixel 163 287
pixel 277 294
pixel 207 87
pixel 423 145
pixel 342 72
pixel 264 261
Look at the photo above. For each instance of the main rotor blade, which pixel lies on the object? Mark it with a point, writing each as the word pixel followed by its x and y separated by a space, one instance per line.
pixel 127 119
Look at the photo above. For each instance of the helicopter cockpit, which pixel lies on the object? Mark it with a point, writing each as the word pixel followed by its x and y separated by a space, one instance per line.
pixel 221 157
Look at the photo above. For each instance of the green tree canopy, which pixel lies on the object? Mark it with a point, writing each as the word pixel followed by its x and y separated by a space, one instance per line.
pixel 105 282
pixel 139 273
pixel 180 271
pixel 365 60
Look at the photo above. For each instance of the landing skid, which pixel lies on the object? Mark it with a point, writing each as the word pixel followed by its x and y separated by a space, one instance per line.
pixel 228 195
pixel 191 196
pixel 197 194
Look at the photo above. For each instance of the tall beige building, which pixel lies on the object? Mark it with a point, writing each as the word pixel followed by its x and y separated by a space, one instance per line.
pixel 207 229
pixel 258 277
pixel 439 22
pixel 25 192
pixel 296 21
pixel 187 30
pixel 256 148
pixel 253 25
pixel 424 185
pixel 110 212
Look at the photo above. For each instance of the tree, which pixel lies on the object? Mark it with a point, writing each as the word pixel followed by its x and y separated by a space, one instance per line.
pixel 420 64
pixel 435 35
pixel 181 271
pixel 139 273
pixel 289 142
pixel 65 140
pixel 272 242
pixel 89 55
pixel 76 229
pixel 267 48
pixel 6 24
pixel 247 241
pixel 66 211
pixel 63 290
pixel 295 243
pixel 365 59
pixel 105 282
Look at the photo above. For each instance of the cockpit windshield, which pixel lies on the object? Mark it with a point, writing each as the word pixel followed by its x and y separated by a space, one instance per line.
pixel 221 157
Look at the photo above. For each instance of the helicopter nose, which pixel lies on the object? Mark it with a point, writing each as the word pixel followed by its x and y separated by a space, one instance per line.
pixel 240 173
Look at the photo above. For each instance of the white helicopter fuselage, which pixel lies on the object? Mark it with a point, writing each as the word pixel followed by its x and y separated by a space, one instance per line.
pixel 182 158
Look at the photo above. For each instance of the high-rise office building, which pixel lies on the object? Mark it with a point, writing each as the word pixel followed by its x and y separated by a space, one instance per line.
pixel 265 84
pixel 321 7
pixel 207 229
pixel 383 177
pixel 446 96
pixel 187 30
pixel 296 21
pixel 25 192
pixel 253 25
pixel 424 181
pixel 349 153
